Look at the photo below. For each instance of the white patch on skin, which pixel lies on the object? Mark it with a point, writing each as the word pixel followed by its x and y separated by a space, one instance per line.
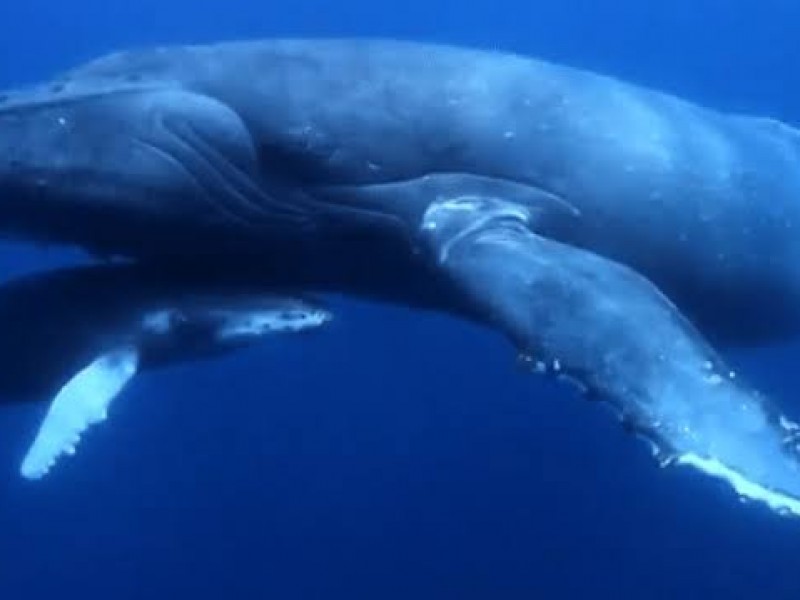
pixel 778 502
pixel 788 425
pixel 438 215
pixel 260 323
pixel 81 403
pixel 159 322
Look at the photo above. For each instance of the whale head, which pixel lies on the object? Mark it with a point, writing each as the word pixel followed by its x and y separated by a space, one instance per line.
pixel 127 169
pixel 202 325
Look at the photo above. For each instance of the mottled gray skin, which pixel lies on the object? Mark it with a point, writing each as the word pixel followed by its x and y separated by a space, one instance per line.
pixel 705 204
pixel 57 322
pixel 594 222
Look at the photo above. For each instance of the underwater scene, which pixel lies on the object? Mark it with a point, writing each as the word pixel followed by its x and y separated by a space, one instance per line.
pixel 432 300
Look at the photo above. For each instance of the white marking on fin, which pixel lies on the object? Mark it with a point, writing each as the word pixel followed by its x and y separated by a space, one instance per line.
pixel 82 402
pixel 778 502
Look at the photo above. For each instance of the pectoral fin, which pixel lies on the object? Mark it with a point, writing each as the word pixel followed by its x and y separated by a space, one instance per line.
pixel 582 316
pixel 81 403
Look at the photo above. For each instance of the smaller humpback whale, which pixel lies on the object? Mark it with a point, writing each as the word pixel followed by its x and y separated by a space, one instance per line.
pixel 80 335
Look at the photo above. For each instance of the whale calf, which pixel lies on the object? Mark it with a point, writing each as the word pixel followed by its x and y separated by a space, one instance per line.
pixel 80 335
pixel 614 234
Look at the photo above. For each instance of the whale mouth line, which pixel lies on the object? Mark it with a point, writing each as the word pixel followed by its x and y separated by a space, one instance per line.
pixel 747 489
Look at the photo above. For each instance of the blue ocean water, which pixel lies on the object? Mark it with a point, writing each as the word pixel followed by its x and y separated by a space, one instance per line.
pixel 397 455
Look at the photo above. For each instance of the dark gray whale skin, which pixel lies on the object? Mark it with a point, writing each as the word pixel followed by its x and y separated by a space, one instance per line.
pixel 56 322
pixel 335 136
pixel 599 225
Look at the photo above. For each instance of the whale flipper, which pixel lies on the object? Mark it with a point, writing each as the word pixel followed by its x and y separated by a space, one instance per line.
pixel 81 403
pixel 580 316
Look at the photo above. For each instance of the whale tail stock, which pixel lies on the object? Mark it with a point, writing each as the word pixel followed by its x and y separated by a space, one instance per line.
pixel 579 316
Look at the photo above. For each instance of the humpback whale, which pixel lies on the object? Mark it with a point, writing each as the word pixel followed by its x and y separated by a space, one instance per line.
pixel 615 234
pixel 80 335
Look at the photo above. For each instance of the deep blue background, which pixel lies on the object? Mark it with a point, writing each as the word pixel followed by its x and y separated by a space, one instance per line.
pixel 397 455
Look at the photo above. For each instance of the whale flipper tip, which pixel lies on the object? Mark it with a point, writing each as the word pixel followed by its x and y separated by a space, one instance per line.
pixel 578 314
pixel 81 403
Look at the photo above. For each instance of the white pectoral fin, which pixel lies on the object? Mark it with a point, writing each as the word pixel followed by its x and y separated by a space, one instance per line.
pixel 579 315
pixel 82 402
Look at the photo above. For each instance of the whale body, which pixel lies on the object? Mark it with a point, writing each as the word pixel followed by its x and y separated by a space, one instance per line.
pixel 612 232
pixel 79 336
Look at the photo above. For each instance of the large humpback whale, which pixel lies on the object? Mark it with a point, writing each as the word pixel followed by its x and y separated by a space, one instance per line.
pixel 601 226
